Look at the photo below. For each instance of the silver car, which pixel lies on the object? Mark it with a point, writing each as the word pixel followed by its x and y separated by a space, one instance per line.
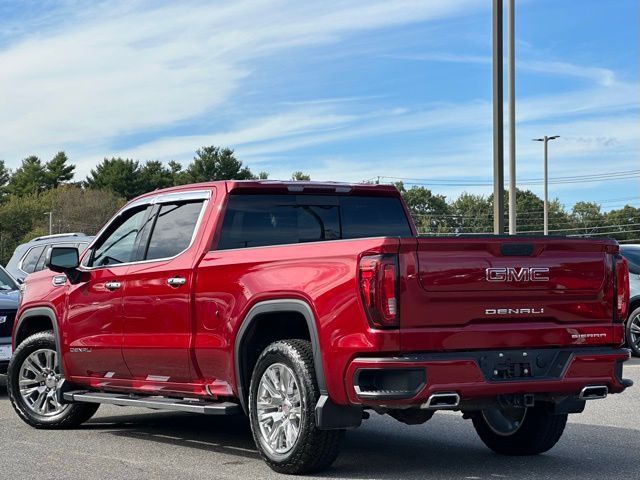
pixel 29 257
pixel 632 254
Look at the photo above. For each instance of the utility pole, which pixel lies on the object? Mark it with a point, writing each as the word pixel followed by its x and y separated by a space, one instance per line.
pixel 50 222
pixel 546 139
pixel 511 76
pixel 498 147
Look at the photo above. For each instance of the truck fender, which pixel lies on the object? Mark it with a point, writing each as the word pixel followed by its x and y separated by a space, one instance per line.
pixel 328 415
pixel 41 312
pixel 274 306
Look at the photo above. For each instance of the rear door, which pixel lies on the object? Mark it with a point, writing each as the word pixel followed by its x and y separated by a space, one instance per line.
pixel 157 296
pixel 493 293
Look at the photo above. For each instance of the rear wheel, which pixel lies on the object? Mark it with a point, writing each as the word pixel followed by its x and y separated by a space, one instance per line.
pixel 282 400
pixel 33 379
pixel 519 431
pixel 633 332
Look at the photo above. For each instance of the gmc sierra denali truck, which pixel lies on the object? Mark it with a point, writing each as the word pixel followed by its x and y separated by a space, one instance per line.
pixel 308 305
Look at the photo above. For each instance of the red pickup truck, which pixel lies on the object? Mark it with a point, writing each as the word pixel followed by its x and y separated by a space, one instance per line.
pixel 307 305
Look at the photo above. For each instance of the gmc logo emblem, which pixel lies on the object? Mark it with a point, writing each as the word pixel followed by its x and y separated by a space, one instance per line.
pixel 513 274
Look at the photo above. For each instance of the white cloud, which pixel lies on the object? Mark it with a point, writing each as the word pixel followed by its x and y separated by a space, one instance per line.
pixel 128 70
pixel 600 75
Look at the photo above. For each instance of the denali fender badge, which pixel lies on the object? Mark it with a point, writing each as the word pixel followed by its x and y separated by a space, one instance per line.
pixel 513 311
pixel 79 350
pixel 514 274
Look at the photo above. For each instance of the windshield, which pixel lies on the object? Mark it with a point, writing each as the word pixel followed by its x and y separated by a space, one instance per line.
pixel 6 282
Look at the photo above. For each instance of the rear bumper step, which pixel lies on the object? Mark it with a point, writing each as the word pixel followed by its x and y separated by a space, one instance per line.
pixel 156 403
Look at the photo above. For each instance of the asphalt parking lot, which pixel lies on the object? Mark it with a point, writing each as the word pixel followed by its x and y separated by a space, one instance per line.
pixel 126 443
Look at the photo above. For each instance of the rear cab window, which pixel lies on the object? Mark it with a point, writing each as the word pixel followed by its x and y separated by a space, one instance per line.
pixel 254 220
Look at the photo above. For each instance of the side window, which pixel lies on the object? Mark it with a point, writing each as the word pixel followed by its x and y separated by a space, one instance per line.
pixel 40 265
pixel 117 243
pixel 173 229
pixel 30 260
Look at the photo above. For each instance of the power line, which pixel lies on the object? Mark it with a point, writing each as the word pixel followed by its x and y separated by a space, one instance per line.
pixel 597 177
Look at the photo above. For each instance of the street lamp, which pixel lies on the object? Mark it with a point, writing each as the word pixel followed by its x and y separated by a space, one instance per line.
pixel 546 139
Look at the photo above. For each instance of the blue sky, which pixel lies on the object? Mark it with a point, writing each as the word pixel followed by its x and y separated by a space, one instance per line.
pixel 346 91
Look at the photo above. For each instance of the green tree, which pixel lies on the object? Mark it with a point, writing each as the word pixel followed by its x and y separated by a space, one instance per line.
pixel 623 222
pixel 5 176
pixel 177 175
pixel 154 175
pixel 118 175
pixel 18 217
pixel 263 176
pixel 29 178
pixel 300 176
pixel 215 163
pixel 472 213
pixel 586 216
pixel 58 171
pixel 78 209
pixel 430 212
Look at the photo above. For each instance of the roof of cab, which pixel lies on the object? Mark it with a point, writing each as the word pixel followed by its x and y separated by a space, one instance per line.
pixel 282 186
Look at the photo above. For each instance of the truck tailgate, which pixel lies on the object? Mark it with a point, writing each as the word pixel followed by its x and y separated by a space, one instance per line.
pixel 495 292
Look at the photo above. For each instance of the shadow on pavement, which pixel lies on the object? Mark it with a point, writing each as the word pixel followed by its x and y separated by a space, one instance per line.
pixel 585 451
pixel 229 435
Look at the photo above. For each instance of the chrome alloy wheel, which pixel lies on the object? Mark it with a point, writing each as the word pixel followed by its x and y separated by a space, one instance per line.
pixel 504 421
pixel 279 409
pixel 634 331
pixel 39 380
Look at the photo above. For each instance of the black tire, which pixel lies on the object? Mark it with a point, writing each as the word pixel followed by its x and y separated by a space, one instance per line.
pixel 538 432
pixel 633 338
pixel 314 449
pixel 71 416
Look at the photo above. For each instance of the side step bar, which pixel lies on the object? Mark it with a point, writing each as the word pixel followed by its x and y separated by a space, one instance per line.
pixel 156 403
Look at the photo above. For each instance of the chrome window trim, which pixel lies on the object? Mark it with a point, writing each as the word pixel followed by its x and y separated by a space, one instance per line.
pixel 203 208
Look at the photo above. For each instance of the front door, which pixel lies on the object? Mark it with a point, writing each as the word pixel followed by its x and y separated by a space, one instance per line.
pixel 94 324
pixel 157 298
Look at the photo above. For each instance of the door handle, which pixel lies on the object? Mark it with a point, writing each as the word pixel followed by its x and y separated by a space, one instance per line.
pixel 176 281
pixel 112 285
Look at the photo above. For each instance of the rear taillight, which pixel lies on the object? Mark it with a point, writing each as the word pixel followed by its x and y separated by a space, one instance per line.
pixel 379 289
pixel 622 288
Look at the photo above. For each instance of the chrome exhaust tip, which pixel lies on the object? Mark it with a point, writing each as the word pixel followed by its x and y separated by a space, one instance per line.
pixel 441 401
pixel 594 392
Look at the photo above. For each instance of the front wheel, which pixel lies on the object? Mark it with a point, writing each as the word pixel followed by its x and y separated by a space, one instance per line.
pixel 33 379
pixel 282 400
pixel 519 431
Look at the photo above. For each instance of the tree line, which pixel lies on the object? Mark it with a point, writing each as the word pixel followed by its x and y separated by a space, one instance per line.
pixel 36 188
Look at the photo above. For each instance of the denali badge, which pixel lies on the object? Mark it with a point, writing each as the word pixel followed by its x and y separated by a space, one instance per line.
pixel 513 311
pixel 514 274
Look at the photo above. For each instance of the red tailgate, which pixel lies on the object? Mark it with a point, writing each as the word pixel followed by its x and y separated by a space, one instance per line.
pixel 494 292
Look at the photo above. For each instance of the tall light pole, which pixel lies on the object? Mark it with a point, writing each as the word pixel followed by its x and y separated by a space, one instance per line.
pixel 546 139
pixel 511 88
pixel 50 214
pixel 498 134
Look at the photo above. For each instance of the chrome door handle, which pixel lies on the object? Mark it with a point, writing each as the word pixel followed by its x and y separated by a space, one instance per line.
pixel 176 281
pixel 112 285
